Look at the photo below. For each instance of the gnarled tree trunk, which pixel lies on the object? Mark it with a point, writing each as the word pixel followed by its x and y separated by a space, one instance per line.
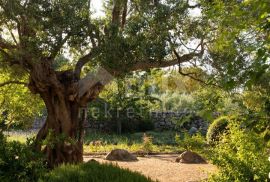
pixel 61 137
pixel 62 131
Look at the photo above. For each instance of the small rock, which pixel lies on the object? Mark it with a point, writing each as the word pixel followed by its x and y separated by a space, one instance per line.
pixel 92 160
pixel 191 158
pixel 120 155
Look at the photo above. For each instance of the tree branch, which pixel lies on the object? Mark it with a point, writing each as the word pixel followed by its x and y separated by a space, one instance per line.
pixel 81 62
pixel 91 85
pixel 124 14
pixel 190 75
pixel 144 65
pixel 58 47
pixel 11 33
pixel 116 12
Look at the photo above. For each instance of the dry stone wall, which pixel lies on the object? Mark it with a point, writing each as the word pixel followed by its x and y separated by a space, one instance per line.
pixel 178 121
pixel 163 120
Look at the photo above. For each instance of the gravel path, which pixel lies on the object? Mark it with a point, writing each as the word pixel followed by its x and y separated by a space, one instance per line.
pixel 164 169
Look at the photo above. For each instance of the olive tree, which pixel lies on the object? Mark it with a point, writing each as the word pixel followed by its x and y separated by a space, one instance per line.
pixel 133 35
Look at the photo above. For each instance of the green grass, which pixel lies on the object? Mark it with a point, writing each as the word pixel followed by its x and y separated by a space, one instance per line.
pixel 162 141
pixel 93 172
pixel 164 138
pixel 132 148
pixel 19 136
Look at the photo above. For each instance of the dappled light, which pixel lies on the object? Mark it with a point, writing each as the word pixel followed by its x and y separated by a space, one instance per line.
pixel 134 90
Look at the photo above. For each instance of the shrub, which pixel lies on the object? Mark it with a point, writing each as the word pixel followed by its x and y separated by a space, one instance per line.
pixel 92 172
pixel 192 143
pixel 217 128
pixel 241 155
pixel 18 162
pixel 147 143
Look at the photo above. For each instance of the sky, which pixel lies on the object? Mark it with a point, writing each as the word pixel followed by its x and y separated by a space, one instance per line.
pixel 97 7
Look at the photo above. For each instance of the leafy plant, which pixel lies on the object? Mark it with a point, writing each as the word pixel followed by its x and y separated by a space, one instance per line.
pixel 217 128
pixel 147 143
pixel 190 143
pixel 19 162
pixel 241 156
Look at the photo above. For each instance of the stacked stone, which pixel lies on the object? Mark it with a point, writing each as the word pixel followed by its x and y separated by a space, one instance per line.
pixel 166 121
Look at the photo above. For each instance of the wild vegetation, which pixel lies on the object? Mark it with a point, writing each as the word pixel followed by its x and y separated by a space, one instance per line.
pixel 59 60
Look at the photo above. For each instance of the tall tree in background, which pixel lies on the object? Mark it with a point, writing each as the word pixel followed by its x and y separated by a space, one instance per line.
pixel 134 35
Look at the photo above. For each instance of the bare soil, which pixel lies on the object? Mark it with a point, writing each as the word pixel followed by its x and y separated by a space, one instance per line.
pixel 164 168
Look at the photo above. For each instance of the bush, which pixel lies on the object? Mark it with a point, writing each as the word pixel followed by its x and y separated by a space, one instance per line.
pixel 241 155
pixel 217 128
pixel 147 143
pixel 92 172
pixel 18 162
pixel 191 142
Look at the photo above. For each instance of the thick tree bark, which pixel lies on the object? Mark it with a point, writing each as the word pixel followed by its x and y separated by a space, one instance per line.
pixel 62 132
pixel 61 137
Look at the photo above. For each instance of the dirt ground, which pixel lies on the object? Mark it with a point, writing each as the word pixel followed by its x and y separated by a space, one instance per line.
pixel 164 169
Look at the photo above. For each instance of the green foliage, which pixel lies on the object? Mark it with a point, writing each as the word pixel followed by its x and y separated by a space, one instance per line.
pixel 256 102
pixel 183 120
pixel 147 143
pixel 19 162
pixel 126 102
pixel 191 142
pixel 177 101
pixel 93 172
pixel 52 140
pixel 206 101
pixel 18 107
pixel 235 42
pixel 241 156
pixel 217 129
pixel 15 107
